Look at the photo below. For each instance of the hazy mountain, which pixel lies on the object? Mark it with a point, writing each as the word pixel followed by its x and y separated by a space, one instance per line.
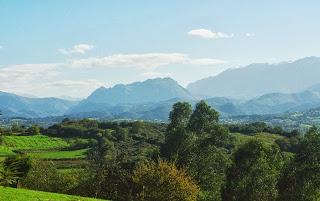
pixel 14 105
pixel 259 79
pixel 153 100
pixel 151 90
pixel 138 93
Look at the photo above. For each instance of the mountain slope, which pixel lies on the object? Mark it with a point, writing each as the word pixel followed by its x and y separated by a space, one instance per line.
pixel 259 79
pixel 13 105
pixel 151 90
pixel 122 98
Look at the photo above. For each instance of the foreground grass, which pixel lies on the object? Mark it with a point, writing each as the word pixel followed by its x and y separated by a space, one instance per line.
pixel 35 142
pixel 8 194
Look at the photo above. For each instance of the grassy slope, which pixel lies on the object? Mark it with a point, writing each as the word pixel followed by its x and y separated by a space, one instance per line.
pixel 5 151
pixel 8 194
pixel 60 154
pixel 34 142
pixel 40 146
pixel 266 137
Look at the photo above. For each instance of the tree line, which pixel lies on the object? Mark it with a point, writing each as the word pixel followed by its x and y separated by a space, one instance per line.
pixel 193 157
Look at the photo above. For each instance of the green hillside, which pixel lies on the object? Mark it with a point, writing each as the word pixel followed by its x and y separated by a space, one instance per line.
pixel 34 142
pixel 13 194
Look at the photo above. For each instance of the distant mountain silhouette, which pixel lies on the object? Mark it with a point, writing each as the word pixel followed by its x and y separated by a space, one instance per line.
pixel 259 79
pixel 125 96
pixel 153 99
pixel 13 105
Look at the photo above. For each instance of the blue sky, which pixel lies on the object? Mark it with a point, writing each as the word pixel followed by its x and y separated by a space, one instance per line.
pixel 69 48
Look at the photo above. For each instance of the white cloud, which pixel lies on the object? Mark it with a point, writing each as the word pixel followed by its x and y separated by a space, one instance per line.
pixel 25 77
pixel 142 61
pixel 44 80
pixel 58 79
pixel 1 46
pixel 250 34
pixel 80 48
pixel 74 88
pixel 206 33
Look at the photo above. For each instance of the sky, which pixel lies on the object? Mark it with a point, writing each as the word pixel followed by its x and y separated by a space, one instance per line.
pixel 70 48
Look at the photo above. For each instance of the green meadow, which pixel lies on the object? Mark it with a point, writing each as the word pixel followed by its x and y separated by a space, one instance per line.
pixel 14 194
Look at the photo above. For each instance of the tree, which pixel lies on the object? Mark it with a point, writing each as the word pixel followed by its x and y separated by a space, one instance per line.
pixel 203 118
pixel 163 181
pixel 177 138
pixel 98 157
pixel 43 176
pixel 207 165
pixel 33 130
pixel 179 116
pixel 301 176
pixel 254 173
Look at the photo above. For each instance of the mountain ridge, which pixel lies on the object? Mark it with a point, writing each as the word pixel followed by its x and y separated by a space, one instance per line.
pixel 258 79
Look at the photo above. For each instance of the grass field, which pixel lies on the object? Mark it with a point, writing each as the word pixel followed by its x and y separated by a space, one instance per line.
pixel 12 194
pixel 265 137
pixel 34 142
pixel 5 151
pixel 76 154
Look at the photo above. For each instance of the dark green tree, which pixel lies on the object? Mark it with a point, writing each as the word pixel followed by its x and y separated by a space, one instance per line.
pixel 33 130
pixel 301 177
pixel 179 116
pixel 207 165
pixel 203 118
pixel 254 173
pixel 177 138
pixel 98 157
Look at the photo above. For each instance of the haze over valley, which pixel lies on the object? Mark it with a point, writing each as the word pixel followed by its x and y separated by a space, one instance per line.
pixel 169 100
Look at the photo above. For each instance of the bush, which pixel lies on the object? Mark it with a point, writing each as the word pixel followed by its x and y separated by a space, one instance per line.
pixel 164 181
pixel 43 176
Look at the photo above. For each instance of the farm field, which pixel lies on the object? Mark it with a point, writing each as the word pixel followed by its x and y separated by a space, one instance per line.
pixel 75 154
pixel 43 147
pixel 7 194
pixel 34 142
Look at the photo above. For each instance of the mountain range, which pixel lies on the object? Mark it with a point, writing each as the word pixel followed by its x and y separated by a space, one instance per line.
pixel 152 99
pixel 258 79
pixel 12 105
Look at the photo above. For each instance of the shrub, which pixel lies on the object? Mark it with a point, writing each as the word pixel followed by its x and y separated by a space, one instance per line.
pixel 164 181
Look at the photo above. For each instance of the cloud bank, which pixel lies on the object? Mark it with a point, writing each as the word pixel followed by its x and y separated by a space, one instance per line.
pixel 142 61
pixel 77 77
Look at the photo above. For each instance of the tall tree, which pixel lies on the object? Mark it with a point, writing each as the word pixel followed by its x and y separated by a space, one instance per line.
pixel 179 116
pixel 203 118
pixel 177 139
pixel 254 173
pixel 207 165
pixel 301 177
